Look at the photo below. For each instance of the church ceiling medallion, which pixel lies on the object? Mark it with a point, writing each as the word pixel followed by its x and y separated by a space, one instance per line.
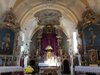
pixel 48 17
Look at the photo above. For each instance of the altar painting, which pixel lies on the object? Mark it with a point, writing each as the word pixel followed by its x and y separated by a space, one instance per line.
pixel 91 38
pixel 93 56
pixel 6 41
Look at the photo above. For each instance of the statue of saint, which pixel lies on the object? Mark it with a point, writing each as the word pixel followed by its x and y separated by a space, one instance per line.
pixel 37 52
pixel 92 37
pixel 6 42
pixel 48 52
pixel 60 51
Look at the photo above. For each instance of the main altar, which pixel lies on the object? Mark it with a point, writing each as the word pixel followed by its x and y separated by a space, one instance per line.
pixel 51 64
pixel 48 44
pixel 50 59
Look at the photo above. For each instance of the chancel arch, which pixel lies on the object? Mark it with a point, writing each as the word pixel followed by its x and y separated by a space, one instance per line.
pixel 49 28
pixel 29 25
pixel 64 21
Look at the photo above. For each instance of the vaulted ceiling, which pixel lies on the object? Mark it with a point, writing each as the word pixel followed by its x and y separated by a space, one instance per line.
pixel 25 10
pixel 75 6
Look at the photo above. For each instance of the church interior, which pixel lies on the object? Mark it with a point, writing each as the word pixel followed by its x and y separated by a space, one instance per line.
pixel 49 37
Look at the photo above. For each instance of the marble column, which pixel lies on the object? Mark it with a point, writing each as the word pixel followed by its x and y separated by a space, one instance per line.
pixel 71 61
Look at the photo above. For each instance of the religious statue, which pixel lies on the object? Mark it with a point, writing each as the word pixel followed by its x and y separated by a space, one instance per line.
pixel 60 51
pixel 92 37
pixel 49 52
pixel 37 52
pixel 6 42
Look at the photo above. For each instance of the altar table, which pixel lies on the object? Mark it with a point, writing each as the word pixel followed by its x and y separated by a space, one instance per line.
pixel 6 69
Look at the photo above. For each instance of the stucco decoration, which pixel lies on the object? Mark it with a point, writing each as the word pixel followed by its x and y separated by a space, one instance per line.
pixel 48 17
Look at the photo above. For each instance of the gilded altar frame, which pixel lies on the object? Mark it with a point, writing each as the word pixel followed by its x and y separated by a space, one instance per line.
pixel 9 24
pixel 89 28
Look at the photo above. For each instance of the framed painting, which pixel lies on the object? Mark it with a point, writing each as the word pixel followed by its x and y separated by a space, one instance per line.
pixel 6 41
pixel 93 56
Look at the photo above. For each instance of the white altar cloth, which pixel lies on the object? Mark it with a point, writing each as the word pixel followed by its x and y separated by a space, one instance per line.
pixel 50 62
pixel 87 69
pixel 5 69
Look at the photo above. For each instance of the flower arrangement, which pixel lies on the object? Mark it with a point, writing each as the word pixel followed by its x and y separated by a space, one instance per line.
pixel 28 70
